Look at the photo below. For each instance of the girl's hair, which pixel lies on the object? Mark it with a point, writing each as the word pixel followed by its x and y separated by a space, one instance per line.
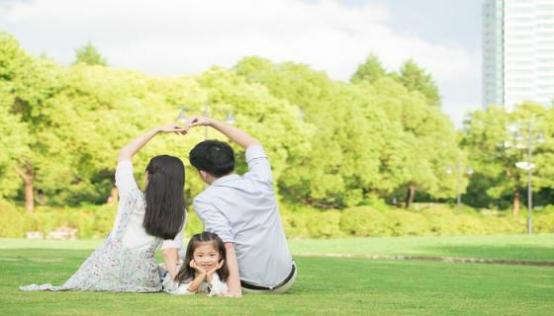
pixel 186 272
pixel 165 197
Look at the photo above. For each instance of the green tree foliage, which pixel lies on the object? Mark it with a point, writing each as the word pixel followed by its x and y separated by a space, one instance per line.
pixel 369 138
pixel 496 139
pixel 415 78
pixel 89 55
pixel 419 128
pixel 370 70
pixel 14 143
pixel 15 140
pixel 332 144
pixel 28 86
pixel 343 163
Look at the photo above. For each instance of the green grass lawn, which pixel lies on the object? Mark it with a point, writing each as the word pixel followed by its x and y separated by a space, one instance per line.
pixel 326 285
pixel 517 247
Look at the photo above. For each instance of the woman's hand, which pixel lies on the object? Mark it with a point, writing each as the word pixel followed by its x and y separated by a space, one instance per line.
pixel 172 128
pixel 127 152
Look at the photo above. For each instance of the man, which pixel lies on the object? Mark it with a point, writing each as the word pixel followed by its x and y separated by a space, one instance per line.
pixel 243 211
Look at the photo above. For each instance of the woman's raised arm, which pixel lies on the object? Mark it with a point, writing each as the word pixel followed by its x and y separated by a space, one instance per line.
pixel 127 152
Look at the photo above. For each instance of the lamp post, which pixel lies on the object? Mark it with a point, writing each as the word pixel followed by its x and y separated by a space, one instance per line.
pixel 182 116
pixel 206 113
pixel 230 119
pixel 528 142
pixel 458 169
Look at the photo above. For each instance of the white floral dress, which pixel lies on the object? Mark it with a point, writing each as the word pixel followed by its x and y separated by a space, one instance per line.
pixel 125 261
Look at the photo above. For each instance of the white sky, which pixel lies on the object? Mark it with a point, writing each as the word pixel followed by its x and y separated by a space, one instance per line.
pixel 172 37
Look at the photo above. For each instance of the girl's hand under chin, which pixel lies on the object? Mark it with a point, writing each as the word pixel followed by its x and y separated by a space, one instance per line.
pixel 198 269
pixel 211 272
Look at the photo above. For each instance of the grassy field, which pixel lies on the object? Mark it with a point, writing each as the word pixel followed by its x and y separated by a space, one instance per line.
pixel 326 285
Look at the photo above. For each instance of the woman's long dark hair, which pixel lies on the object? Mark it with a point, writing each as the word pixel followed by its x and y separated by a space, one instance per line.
pixel 188 273
pixel 165 197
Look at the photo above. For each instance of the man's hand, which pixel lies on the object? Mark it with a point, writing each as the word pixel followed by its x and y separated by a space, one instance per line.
pixel 233 294
pixel 236 135
pixel 233 281
pixel 200 121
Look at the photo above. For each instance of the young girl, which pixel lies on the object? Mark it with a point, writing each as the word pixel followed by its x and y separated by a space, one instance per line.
pixel 204 269
pixel 125 261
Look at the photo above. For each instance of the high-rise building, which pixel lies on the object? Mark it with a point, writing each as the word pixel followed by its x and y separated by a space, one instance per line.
pixel 518 52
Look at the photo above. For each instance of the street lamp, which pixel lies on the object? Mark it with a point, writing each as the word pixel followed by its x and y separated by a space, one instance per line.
pixel 529 142
pixel 206 114
pixel 182 117
pixel 230 119
pixel 459 173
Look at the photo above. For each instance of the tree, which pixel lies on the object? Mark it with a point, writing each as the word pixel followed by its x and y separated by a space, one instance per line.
pixel 88 54
pixel 426 141
pixel 327 173
pixel 369 71
pixel 350 143
pixel 27 85
pixel 15 146
pixel 332 144
pixel 493 151
pixel 15 140
pixel 370 138
pixel 415 78
pixel 272 120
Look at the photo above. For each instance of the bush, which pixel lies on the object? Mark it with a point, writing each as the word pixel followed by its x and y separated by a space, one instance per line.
pixel 495 224
pixel 83 221
pixel 295 224
pixel 299 221
pixel 363 221
pixel 91 221
pixel 544 223
pixel 376 203
pixel 104 217
pixel 466 221
pixel 12 222
pixel 440 220
pixel 402 223
pixel 469 225
pixel 324 224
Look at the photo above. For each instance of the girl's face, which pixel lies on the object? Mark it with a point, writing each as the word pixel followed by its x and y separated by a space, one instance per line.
pixel 206 256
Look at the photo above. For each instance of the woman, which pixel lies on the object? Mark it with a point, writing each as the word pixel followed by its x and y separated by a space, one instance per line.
pixel 125 262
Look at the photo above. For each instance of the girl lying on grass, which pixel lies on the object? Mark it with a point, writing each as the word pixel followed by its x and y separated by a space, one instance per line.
pixel 204 269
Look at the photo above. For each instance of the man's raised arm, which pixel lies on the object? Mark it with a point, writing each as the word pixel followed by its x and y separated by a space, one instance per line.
pixel 236 135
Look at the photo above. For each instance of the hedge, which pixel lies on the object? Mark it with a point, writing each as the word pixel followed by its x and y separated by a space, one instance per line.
pixel 93 221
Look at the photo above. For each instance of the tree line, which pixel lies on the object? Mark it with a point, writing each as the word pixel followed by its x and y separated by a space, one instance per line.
pixel 381 136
